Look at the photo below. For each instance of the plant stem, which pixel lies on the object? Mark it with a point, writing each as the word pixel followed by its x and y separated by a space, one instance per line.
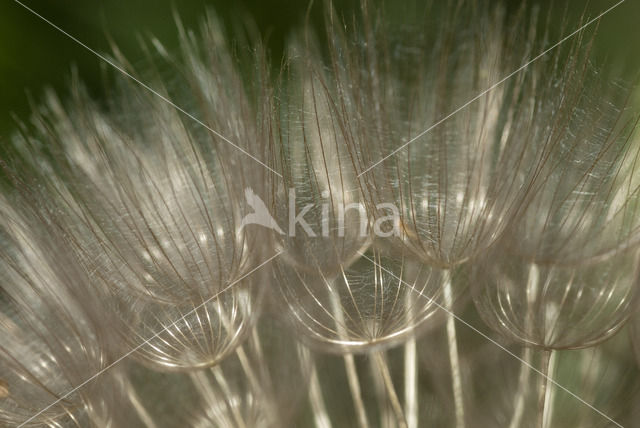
pixel 354 386
pixel 318 407
pixel 411 383
pixel 523 380
pixel 137 405
pixel 141 411
pixel 548 399
pixel 390 390
pixel 525 369
pixel 411 372
pixel 247 367
pixel 543 390
pixel 248 370
pixel 240 353
pixel 384 411
pixel 204 386
pixel 454 359
pixel 349 363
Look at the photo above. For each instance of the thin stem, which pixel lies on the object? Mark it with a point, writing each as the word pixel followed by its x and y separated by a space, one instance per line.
pixel 321 416
pixel 454 359
pixel 204 386
pixel 411 383
pixel 349 363
pixel 247 368
pixel 411 373
pixel 525 372
pixel 385 413
pixel 137 405
pixel 542 391
pixel 259 378
pixel 318 407
pixel 354 386
pixel 523 380
pixel 390 389
pixel 548 399
pixel 241 354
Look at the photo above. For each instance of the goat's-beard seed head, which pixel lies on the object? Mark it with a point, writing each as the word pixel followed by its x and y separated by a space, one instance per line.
pixel 503 391
pixel 486 371
pixel 340 295
pixel 464 170
pixel 585 198
pixel 319 180
pixel 153 202
pixel 556 305
pixel 565 273
pixel 378 300
pixel 532 185
pixel 455 188
pixel 260 385
pixel 51 332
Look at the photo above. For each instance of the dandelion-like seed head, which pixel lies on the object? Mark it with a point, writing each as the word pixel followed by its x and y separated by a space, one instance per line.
pixel 216 244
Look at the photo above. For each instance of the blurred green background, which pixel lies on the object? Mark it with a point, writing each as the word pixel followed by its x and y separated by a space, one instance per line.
pixel 34 55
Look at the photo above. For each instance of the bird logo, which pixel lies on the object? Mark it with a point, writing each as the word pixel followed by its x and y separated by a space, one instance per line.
pixel 260 214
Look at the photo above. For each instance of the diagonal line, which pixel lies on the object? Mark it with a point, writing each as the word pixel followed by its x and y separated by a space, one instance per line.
pixel 493 341
pixel 147 87
pixel 135 349
pixel 486 91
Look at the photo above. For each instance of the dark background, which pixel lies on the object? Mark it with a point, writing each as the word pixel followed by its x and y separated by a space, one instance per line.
pixel 34 55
